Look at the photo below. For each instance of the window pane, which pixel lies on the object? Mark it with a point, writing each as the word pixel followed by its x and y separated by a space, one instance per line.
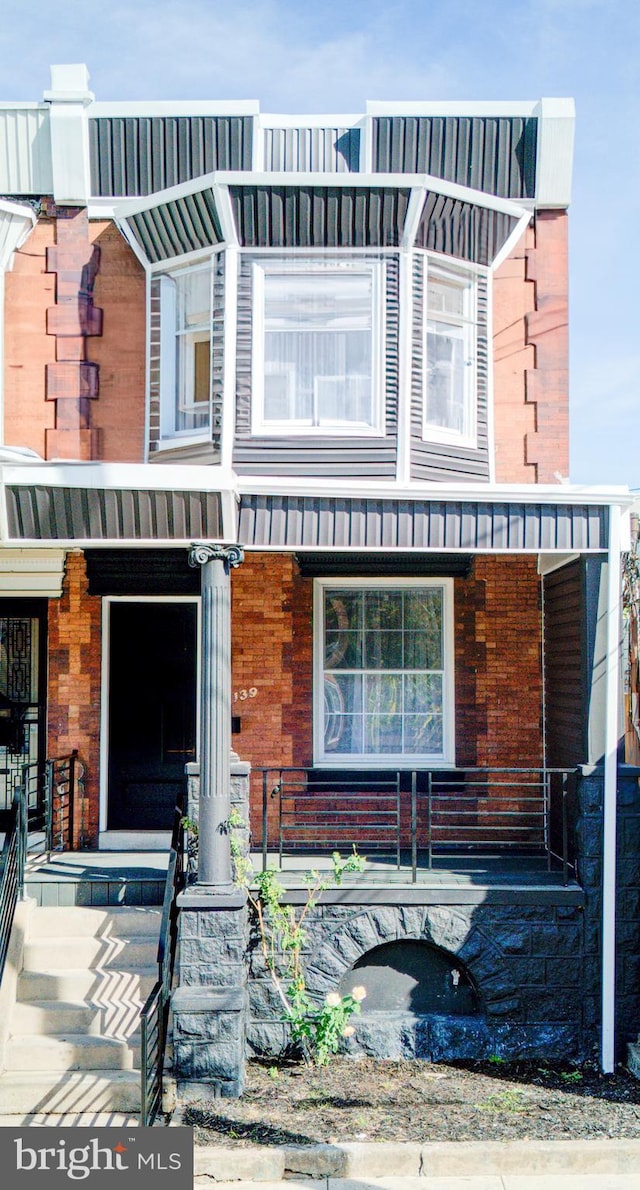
pixel 423 734
pixel 383 733
pixel 383 650
pixel 202 368
pixel 194 299
pixel 383 609
pixel 423 621
pixel 423 692
pixel 318 348
pixel 343 650
pixel 445 297
pixel 342 713
pixel 316 300
pixel 446 377
pixel 343 609
pixel 383 693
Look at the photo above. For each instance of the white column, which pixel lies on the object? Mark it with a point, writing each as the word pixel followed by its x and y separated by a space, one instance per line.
pixel 214 859
pixel 612 697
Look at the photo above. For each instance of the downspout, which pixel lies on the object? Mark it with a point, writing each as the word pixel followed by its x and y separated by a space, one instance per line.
pixel 607 1047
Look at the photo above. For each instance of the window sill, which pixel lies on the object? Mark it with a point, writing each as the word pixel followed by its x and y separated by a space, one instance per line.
pixel 286 430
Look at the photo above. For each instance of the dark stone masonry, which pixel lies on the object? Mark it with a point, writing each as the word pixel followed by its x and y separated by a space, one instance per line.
pixel 528 957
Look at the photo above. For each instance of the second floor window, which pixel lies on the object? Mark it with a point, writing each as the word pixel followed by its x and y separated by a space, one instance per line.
pixel 317 348
pixel 450 356
pixel 186 299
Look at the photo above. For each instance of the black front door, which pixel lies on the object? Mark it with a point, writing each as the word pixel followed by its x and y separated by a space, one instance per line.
pixel 152 711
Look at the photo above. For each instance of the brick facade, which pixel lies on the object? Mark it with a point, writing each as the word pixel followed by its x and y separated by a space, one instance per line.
pixel 75 329
pixel 75 643
pixel 497 663
pixel 530 378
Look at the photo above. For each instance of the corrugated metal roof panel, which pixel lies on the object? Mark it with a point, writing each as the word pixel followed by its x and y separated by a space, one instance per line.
pixel 313 522
pixel 332 150
pixel 463 230
pixel 493 154
pixel 174 228
pixel 319 216
pixel 38 513
pixel 25 151
pixel 139 155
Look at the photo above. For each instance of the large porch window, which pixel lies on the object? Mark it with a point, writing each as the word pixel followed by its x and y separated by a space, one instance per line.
pixel 384 682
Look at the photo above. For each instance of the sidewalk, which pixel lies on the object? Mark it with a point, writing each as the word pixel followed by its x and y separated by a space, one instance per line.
pixel 474 1165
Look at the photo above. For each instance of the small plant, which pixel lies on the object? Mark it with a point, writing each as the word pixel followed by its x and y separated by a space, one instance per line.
pixel 571 1076
pixel 317 1030
pixel 496 1060
pixel 504 1101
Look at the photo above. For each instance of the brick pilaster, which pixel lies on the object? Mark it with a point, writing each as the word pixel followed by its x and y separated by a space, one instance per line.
pixel 72 381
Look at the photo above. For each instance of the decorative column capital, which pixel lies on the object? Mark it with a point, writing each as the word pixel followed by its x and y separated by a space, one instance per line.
pixel 200 553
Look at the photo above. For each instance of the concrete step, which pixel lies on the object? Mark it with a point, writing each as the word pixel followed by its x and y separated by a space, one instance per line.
pixel 82 921
pixel 110 985
pixel 71 1091
pixel 44 1017
pixel 49 954
pixel 75 1052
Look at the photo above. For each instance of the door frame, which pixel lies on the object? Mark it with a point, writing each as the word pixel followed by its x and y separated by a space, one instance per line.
pixel 134 840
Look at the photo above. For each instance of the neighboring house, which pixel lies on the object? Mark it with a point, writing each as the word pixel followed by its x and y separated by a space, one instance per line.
pixel 339 343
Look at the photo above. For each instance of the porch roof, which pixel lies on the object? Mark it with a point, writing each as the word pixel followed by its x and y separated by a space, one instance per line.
pixel 104 504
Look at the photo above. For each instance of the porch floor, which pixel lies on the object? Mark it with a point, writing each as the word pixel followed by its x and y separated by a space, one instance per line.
pixel 137 877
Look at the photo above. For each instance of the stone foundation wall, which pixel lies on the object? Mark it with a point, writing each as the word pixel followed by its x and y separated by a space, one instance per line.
pixel 524 959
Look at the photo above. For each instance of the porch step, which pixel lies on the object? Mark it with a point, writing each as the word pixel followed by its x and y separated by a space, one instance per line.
pixel 91 922
pixel 107 986
pixel 94 954
pixel 76 1052
pixel 74 1042
pixel 59 1093
pixel 89 1017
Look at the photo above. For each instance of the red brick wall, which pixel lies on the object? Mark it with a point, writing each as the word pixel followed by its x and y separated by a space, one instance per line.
pixel 29 291
pixel 74 683
pixel 117 414
pixel 497 663
pixel 531 393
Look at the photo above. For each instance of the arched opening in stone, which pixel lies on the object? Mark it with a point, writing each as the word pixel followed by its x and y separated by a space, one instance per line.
pixel 412 977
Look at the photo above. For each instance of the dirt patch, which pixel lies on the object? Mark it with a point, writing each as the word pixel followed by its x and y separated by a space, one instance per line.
pixel 420 1101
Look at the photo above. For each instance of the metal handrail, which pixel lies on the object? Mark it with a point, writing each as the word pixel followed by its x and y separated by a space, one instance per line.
pixel 40 821
pixel 154 1016
pixel 490 811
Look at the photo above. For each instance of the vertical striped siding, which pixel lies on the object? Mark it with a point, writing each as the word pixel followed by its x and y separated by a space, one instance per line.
pixel 139 155
pixel 319 216
pixel 565 676
pixel 331 150
pixel 315 455
pixel 25 151
pixel 496 155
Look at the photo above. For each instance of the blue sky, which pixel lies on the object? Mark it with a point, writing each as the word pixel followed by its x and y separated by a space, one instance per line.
pixel 332 56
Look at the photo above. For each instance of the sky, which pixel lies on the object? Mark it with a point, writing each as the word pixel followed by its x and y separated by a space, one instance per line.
pixel 333 55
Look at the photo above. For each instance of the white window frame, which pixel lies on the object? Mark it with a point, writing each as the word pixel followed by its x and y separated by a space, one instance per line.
pixel 170 403
pixel 467 280
pixel 260 427
pixel 340 760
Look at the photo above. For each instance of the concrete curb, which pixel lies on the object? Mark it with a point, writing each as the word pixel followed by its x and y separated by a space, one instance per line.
pixel 439 1159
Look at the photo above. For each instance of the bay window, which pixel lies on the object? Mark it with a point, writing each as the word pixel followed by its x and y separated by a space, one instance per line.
pixel 317 347
pixel 383 677
pixel 450 336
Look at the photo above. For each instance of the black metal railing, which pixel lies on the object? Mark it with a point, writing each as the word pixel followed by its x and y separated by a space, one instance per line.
pixel 12 865
pixel 41 820
pixel 53 797
pixel 420 817
pixel 154 1017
